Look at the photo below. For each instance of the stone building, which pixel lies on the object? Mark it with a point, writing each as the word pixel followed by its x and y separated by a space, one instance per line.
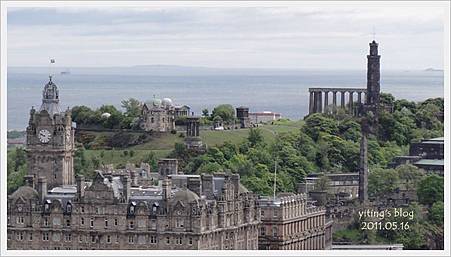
pixel 182 111
pixel 427 155
pixel 291 222
pixel 192 137
pixel 207 212
pixel 340 185
pixel 158 115
pixel 50 140
pixel 262 117
pixel 242 114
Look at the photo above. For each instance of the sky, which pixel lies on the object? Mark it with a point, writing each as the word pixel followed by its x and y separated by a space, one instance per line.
pixel 285 37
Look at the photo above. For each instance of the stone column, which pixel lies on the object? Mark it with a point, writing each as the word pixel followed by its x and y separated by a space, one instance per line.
pixel 363 168
pixel 320 101
pixel 343 99
pixel 334 102
pixel 359 98
pixel 351 102
pixel 310 105
pixel 326 101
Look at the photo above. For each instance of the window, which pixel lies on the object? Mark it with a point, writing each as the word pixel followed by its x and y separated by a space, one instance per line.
pixel 91 223
pixel 115 222
pixel 275 213
pixel 178 240
pixel 97 210
pixel 82 209
pixel 106 223
pixel 179 223
pixel 153 239
pixel 46 222
pixel 262 213
pixel 30 237
pixel 68 223
pixel 80 238
pixel 274 231
pixel 19 236
pixel 56 221
pixel 131 239
pixel 262 230
pixel 190 240
pixel 131 224
pixel 93 239
pixel 108 239
pixel 68 237
pixel 19 220
pixel 168 240
pixel 82 221
pixel 45 236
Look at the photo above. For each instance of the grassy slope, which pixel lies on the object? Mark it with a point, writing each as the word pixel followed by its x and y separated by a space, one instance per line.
pixel 162 145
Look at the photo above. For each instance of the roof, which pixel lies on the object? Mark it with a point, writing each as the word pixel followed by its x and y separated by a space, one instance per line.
pixel 430 162
pixel 26 192
pixel 185 195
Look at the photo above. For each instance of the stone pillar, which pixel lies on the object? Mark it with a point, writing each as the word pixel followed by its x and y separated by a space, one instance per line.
pixel 351 102
pixel 320 102
pixel 192 139
pixel 343 99
pixel 334 101
pixel 310 104
pixel 326 101
pixel 359 98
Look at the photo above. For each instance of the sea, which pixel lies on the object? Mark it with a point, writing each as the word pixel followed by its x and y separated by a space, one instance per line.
pixel 285 93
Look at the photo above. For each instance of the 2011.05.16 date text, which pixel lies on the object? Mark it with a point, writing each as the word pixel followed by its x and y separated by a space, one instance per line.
pixel 379 225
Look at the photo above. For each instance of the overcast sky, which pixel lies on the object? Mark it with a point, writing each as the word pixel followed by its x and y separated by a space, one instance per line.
pixel 232 37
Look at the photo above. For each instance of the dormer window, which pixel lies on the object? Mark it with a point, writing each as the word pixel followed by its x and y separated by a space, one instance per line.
pixel 69 208
pixel 131 209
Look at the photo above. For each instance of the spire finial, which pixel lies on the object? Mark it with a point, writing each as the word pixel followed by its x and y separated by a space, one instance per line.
pixel 50 78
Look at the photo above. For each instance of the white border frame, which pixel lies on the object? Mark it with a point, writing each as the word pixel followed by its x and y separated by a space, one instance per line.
pixel 3 127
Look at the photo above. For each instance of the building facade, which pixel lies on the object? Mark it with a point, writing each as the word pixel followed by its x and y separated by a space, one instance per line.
pixel 291 222
pixel 158 116
pixel 262 117
pixel 208 212
pixel 50 140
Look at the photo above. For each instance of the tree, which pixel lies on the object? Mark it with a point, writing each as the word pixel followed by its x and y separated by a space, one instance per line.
pixel 382 182
pixel 436 213
pixel 205 112
pixel 430 190
pixel 225 111
pixel 255 137
pixel 318 122
pixel 132 107
pixel 322 184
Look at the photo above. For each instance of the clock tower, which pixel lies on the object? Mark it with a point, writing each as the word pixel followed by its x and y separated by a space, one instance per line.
pixel 50 140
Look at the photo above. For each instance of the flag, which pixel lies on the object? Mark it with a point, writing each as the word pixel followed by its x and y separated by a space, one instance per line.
pixel 52 60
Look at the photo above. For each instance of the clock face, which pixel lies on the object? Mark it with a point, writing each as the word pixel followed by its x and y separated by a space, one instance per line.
pixel 44 136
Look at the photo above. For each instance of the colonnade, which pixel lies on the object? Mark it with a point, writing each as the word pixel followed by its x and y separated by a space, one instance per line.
pixel 317 95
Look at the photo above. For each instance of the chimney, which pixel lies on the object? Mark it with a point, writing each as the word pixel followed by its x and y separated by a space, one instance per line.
pixel 207 185
pixel 194 185
pixel 42 188
pixel 29 181
pixel 80 187
pixel 126 188
pixel 236 182
pixel 166 186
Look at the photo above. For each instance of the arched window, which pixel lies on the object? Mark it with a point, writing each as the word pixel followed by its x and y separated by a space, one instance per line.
pixel 132 208
pixel 69 207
